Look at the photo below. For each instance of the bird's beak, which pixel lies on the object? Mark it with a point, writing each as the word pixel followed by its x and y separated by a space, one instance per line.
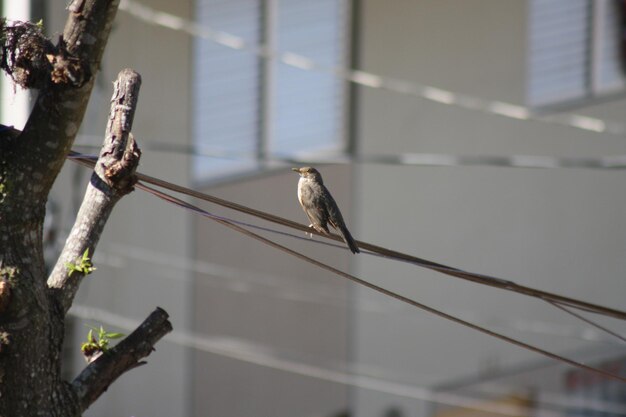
pixel 296 169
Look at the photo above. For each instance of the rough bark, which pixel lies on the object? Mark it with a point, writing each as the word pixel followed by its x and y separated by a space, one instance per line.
pixel 32 312
pixel 113 177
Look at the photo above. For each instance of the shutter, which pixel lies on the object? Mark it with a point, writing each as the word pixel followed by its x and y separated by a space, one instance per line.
pixel 308 106
pixel 226 88
pixel 558 50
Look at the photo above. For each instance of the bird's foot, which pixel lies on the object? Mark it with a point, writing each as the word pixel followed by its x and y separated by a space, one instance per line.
pixel 309 234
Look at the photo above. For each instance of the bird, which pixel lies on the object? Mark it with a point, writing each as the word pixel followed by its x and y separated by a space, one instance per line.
pixel 320 207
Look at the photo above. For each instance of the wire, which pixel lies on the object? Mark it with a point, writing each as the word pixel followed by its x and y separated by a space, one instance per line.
pixel 389 293
pixel 391 254
pixel 353 278
pixel 156 17
pixel 616 162
pixel 89 161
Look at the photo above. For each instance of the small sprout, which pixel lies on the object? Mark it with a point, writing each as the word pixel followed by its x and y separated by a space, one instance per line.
pixel 95 345
pixel 4 185
pixel 83 266
pixel 8 273
pixel 5 341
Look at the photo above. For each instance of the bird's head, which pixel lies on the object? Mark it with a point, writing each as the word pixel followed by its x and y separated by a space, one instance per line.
pixel 309 173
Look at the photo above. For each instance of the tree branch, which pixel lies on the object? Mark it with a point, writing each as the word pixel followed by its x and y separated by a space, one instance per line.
pixel 126 355
pixel 61 103
pixel 113 177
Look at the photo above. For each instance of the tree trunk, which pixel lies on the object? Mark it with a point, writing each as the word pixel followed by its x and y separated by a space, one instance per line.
pixel 33 306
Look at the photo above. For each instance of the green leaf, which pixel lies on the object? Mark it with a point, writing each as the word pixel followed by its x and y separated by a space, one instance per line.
pixel 70 267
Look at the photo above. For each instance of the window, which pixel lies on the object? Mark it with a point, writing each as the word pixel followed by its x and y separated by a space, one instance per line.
pixel 574 50
pixel 247 107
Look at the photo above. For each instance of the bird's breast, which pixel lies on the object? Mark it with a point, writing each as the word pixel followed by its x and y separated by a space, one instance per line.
pixel 300 186
pixel 306 192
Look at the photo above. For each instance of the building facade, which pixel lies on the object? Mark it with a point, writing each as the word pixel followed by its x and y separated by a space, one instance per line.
pixel 477 134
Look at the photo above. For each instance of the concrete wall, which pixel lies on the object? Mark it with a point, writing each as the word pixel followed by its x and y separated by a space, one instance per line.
pixel 560 230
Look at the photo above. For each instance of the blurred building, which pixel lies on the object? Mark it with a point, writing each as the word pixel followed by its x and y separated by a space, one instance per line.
pixel 467 153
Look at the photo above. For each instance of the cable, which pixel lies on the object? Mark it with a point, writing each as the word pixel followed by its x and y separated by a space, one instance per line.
pixel 357 280
pixel 391 254
pixel 156 17
pixel 389 293
pixel 88 160
pixel 616 162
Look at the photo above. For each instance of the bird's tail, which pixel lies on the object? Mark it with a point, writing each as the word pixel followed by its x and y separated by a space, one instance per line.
pixel 347 237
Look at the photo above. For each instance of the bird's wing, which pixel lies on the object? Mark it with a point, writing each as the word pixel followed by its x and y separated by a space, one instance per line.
pixel 336 220
pixel 334 215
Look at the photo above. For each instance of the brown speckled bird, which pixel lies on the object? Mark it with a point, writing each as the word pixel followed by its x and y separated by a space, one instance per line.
pixel 320 207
